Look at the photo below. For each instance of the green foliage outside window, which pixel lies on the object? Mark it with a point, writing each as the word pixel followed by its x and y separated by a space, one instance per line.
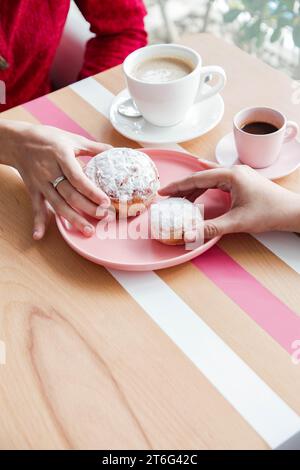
pixel 264 19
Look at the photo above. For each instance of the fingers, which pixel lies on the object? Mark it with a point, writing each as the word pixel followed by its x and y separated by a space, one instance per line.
pixel 63 209
pixel 41 216
pixel 231 222
pixel 215 178
pixel 76 199
pixel 193 195
pixel 72 170
pixel 89 147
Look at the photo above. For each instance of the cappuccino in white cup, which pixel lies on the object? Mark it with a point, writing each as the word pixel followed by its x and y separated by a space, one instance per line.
pixel 162 69
pixel 165 80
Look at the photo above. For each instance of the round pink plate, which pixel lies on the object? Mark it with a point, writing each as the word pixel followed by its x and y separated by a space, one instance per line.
pixel 144 254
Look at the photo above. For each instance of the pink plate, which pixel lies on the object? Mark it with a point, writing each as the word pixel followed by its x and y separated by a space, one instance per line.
pixel 142 254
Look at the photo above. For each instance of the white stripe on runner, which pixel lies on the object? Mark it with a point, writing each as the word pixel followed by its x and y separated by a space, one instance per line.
pixel 285 246
pixel 95 94
pixel 100 98
pixel 265 411
pixel 261 407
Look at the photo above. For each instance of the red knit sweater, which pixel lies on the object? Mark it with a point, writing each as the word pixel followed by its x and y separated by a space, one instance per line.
pixel 30 31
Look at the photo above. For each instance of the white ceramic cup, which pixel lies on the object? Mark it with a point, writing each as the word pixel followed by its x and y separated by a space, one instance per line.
pixel 166 104
pixel 262 150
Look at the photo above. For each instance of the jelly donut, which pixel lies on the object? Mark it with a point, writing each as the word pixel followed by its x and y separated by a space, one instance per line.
pixel 129 178
pixel 174 220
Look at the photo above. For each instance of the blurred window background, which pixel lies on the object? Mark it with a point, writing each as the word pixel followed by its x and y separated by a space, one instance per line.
pixel 268 29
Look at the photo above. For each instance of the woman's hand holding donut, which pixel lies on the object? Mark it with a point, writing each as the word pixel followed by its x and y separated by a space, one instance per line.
pixel 258 205
pixel 41 154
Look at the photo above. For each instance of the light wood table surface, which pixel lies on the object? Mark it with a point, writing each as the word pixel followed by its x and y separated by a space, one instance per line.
pixel 88 365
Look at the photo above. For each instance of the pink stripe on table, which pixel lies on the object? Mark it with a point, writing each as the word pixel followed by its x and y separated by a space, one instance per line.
pixel 48 113
pixel 278 320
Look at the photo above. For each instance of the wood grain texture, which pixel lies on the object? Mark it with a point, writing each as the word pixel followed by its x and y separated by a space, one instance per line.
pixel 269 271
pixel 238 330
pixel 86 367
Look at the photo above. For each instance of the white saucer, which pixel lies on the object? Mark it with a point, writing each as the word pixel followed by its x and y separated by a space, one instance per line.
pixel 287 162
pixel 201 118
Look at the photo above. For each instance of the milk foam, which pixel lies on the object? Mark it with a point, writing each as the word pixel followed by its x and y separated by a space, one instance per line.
pixel 162 69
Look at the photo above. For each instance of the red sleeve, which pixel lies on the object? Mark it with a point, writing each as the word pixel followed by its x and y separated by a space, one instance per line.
pixel 119 29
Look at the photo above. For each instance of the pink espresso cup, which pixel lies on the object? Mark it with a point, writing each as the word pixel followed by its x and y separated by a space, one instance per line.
pixel 262 150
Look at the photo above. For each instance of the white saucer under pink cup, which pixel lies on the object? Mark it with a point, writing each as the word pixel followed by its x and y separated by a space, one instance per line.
pixel 167 103
pixel 262 150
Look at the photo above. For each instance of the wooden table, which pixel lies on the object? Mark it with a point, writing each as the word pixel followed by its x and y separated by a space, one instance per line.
pixel 197 356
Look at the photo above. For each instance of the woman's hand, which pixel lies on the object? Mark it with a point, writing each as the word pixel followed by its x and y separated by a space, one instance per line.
pixel 41 154
pixel 258 205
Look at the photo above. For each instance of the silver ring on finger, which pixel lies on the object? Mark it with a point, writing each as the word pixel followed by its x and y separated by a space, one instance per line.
pixel 57 181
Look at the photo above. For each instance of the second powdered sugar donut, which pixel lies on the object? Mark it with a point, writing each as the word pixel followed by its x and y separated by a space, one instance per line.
pixel 129 177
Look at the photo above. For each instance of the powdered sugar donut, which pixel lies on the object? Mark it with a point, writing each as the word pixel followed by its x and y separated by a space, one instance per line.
pixel 129 178
pixel 173 218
